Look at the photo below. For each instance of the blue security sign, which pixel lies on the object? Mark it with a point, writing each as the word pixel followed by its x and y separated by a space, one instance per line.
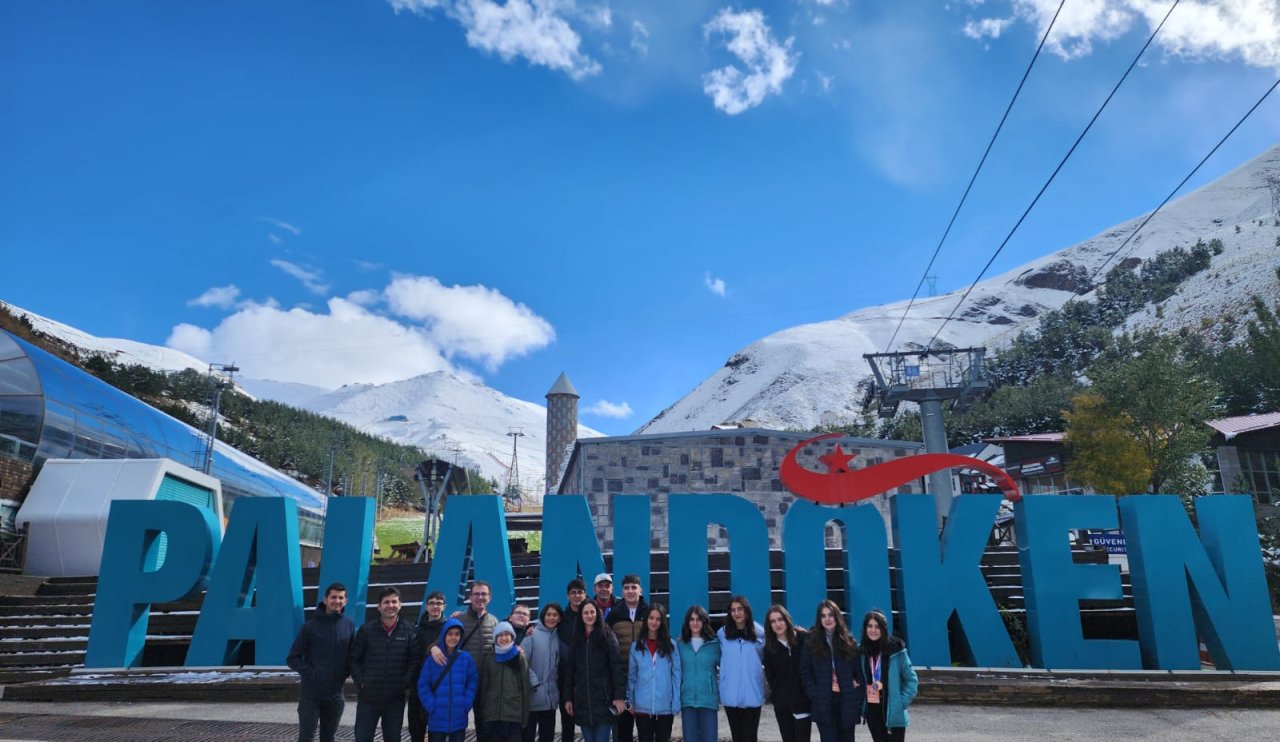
pixel 1112 541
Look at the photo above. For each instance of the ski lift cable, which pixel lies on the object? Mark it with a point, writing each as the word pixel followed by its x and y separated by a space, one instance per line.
pixel 972 179
pixel 1052 176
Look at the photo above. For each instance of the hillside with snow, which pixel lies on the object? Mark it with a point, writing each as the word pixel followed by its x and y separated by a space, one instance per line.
pixel 438 412
pixel 808 375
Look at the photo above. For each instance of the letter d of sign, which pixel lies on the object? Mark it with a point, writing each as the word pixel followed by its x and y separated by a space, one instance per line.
pixel 255 590
pixel 129 580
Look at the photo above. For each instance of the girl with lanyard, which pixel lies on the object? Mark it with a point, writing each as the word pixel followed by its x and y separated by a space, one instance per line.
pixel 832 675
pixel 741 670
pixel 653 677
pixel 891 680
pixel 782 643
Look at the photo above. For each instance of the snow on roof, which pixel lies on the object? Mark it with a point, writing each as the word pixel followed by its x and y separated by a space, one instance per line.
pixel 1233 426
pixel 1033 438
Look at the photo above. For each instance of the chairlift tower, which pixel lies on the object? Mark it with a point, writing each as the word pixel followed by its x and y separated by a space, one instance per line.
pixel 512 492
pixel 220 379
pixel 930 377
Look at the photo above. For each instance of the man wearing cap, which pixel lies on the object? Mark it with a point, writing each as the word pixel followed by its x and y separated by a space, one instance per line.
pixel 604 595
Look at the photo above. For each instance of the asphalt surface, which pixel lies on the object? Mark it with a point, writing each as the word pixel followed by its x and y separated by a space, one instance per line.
pixel 195 722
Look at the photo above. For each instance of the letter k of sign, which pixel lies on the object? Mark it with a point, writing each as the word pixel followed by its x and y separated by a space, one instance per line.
pixel 844 485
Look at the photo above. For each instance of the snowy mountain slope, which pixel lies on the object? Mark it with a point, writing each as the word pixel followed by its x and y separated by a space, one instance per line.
pixel 805 376
pixel 440 411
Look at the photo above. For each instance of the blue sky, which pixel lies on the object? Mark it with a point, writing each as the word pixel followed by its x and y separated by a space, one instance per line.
pixel 627 191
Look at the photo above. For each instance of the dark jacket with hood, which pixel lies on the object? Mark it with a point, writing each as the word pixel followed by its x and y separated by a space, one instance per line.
pixel 505 686
pixel 384 664
pixel 816 667
pixel 319 654
pixel 594 677
pixel 451 698
pixel 899 679
pixel 624 628
pixel 782 670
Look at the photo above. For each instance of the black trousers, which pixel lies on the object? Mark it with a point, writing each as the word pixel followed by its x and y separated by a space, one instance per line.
pixel 623 727
pixel 791 728
pixel 654 728
pixel 744 723
pixel 541 726
pixel 417 718
pixel 876 724
pixel 567 729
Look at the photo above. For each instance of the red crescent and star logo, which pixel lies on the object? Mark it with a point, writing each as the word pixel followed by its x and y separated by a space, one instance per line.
pixel 842 484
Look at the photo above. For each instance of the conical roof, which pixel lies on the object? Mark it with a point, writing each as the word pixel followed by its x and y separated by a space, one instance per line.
pixel 563 386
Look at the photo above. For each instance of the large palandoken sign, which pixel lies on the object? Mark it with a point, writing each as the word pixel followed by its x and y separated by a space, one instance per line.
pixel 1188 586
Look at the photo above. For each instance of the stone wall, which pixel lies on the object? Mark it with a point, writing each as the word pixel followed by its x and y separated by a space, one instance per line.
pixel 742 462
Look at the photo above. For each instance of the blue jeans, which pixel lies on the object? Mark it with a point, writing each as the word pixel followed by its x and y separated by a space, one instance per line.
pixel 602 733
pixel 700 725
pixel 326 712
pixel 390 713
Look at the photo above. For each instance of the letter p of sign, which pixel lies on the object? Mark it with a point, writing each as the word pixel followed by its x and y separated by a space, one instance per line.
pixel 137 572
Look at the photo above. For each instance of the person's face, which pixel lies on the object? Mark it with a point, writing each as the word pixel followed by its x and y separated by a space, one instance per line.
pixel 435 609
pixel 827 618
pixel 519 616
pixel 452 637
pixel 479 598
pixel 653 622
pixel 551 619
pixel 874 630
pixel 576 597
pixel 604 590
pixel 631 593
pixel 389 608
pixel 738 613
pixel 335 601
pixel 589 615
pixel 778 624
pixel 504 640
pixel 695 624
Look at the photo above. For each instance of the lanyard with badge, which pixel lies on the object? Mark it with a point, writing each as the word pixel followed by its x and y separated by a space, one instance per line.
pixel 873 690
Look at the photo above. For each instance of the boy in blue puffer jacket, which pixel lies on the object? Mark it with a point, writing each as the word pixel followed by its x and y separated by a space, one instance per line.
pixel 448 691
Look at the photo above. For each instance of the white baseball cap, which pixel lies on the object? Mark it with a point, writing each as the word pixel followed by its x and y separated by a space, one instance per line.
pixel 603 577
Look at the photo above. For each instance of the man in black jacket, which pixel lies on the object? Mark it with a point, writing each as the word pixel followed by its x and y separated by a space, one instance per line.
pixel 319 655
pixel 429 624
pixel 384 663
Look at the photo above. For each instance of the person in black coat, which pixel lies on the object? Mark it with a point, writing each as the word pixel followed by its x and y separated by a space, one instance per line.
pixel 430 621
pixel 567 630
pixel 783 642
pixel 384 665
pixel 596 680
pixel 319 656
pixel 832 675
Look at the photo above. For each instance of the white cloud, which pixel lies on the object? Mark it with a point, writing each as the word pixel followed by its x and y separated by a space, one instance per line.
pixel 275 239
pixel 605 408
pixel 220 297
pixel 364 297
pixel 311 278
pixel 346 344
pixel 535 30
pixel 279 224
pixel 639 38
pixel 472 321
pixel 715 285
pixel 766 64
pixel 824 81
pixel 1247 30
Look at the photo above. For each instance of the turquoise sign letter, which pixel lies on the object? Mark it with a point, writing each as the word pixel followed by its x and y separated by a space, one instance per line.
pixel 348 544
pixel 866 558
pixel 569 546
pixel 478 521
pixel 748 550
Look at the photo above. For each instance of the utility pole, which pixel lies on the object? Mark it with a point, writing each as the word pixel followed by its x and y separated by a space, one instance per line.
pixel 217 384
pixel 512 493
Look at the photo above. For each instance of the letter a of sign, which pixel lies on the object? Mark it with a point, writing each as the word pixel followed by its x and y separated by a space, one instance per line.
pixel 476 520
pixel 130 581
pixel 255 591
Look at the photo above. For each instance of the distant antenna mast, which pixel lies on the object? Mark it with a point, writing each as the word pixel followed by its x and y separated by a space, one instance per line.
pixel 219 380
pixel 512 493
pixel 933 285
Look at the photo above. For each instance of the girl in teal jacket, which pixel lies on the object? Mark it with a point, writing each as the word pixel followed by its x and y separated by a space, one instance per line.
pixel 890 678
pixel 699 676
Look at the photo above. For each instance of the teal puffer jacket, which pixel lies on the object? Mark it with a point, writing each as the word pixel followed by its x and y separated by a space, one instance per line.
pixel 700 675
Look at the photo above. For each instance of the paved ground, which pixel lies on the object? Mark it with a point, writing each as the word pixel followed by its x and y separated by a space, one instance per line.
pixel 196 722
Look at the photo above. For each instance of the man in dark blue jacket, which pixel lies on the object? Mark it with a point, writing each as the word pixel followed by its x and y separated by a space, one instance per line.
pixel 319 655
pixel 385 659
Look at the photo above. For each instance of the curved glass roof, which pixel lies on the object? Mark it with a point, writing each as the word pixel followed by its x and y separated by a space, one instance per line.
pixel 51 409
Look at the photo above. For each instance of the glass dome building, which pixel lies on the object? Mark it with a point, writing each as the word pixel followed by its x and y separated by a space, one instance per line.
pixel 49 409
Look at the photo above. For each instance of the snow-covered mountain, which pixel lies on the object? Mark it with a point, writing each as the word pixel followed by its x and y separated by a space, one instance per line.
pixel 438 411
pixel 441 411
pixel 808 375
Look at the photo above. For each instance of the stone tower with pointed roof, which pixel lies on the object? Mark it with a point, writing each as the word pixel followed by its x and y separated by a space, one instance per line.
pixel 562 427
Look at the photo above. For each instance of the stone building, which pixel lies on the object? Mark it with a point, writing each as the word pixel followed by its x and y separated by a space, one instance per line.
pixel 562 427
pixel 742 461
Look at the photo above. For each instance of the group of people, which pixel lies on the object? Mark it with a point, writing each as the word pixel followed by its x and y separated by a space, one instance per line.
pixel 609 666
